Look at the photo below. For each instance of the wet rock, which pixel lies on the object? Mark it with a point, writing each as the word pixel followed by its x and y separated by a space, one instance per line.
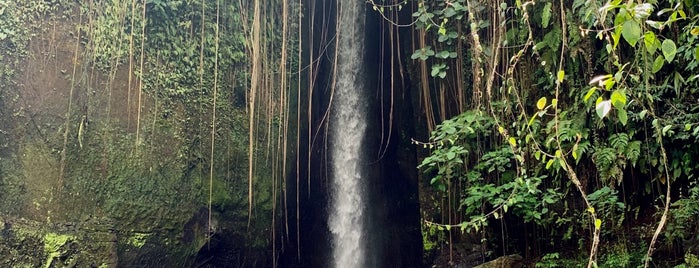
pixel 509 261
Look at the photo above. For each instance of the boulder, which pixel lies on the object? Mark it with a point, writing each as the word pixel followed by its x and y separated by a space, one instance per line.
pixel 509 261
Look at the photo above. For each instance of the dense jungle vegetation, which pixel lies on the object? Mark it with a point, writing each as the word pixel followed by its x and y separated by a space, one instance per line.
pixel 147 132
pixel 562 130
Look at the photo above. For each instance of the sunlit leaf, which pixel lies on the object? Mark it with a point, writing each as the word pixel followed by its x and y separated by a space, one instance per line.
pixel 598 224
pixel 642 11
pixel 655 24
pixel 531 120
pixel 589 94
pixel 609 84
pixel 600 79
pixel 560 76
pixel 695 30
pixel 541 103
pixel 603 108
pixel 618 99
pixel 649 39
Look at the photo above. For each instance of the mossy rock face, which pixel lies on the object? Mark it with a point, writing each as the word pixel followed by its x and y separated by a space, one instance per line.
pixel 27 243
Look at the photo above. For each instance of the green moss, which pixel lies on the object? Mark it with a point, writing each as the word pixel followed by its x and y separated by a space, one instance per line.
pixel 138 239
pixel 52 245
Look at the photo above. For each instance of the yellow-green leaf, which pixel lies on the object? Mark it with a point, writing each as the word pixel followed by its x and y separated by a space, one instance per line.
pixel 649 39
pixel 541 103
pixel 695 31
pixel 598 224
pixel 561 75
pixel 512 141
pixel 549 164
pixel 531 120
pixel 618 99
pixel 609 84
pixel 589 94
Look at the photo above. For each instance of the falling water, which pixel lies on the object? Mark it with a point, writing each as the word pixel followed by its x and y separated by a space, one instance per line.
pixel 349 124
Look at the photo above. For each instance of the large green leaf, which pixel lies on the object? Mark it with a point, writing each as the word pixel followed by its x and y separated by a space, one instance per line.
pixel 669 49
pixel 631 31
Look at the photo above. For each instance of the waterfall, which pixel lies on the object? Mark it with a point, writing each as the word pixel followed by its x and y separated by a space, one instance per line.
pixel 348 129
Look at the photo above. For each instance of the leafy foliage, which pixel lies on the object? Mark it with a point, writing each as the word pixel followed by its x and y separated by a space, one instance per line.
pixel 607 84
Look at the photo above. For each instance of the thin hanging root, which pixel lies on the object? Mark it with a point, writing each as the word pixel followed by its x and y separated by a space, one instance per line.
pixel 70 105
pixel 256 62
pixel 213 118
pixel 131 44
pixel 140 81
pixel 298 137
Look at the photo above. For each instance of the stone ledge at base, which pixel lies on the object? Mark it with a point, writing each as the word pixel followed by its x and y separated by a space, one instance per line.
pixel 509 261
pixel 28 243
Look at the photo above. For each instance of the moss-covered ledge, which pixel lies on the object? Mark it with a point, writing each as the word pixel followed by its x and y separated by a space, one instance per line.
pixel 27 243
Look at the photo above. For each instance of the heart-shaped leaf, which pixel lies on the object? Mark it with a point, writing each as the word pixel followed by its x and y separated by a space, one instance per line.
pixel 603 108
pixel 669 49
pixel 631 31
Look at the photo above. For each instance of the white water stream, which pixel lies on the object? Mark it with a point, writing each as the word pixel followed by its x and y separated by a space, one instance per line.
pixel 346 220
